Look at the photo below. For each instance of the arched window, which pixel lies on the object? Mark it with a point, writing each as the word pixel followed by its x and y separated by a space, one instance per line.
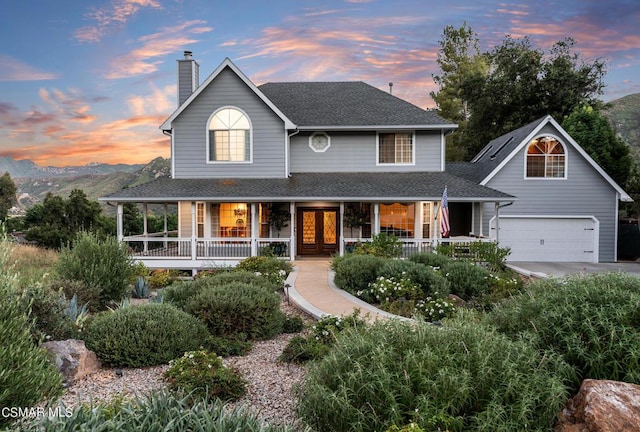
pixel 546 158
pixel 229 136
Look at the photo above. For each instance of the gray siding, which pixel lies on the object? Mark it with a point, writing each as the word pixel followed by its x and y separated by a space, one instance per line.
pixel 190 133
pixel 584 192
pixel 356 152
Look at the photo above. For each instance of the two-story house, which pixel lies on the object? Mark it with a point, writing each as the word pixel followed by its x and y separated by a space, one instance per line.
pixel 311 168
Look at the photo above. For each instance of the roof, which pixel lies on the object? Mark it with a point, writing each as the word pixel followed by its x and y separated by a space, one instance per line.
pixel 347 104
pixel 411 186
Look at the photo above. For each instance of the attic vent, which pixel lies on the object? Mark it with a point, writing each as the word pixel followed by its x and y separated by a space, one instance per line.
pixel 481 154
pixel 493 156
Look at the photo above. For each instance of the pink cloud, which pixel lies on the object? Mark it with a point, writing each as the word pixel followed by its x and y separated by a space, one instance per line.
pixel 12 69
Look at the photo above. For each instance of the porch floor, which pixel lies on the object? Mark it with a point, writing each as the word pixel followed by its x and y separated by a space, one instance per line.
pixel 312 290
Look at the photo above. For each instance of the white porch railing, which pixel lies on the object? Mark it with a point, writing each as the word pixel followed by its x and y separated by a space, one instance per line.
pixel 414 246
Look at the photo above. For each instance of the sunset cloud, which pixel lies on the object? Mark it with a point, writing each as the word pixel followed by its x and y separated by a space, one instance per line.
pixel 12 69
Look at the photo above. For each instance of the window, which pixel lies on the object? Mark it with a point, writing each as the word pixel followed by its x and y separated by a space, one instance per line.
pixel 395 148
pixel 231 219
pixel 545 158
pixel 319 142
pixel 229 136
pixel 397 219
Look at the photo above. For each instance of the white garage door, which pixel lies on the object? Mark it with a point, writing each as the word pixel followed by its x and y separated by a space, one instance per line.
pixel 549 239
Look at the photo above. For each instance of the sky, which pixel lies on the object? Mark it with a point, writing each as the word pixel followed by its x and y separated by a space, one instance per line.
pixel 85 81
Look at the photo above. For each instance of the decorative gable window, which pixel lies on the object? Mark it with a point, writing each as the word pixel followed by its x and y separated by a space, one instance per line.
pixel 395 148
pixel 319 142
pixel 229 136
pixel 545 158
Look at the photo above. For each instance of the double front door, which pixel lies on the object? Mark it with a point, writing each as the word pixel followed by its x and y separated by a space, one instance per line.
pixel 318 230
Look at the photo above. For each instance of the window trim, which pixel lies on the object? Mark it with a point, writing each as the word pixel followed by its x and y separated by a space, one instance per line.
pixel 565 154
pixel 207 139
pixel 319 134
pixel 413 148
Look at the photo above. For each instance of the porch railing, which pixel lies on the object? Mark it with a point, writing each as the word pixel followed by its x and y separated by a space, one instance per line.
pixel 414 246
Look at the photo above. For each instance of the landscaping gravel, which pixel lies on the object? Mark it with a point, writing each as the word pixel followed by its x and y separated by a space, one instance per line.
pixel 269 390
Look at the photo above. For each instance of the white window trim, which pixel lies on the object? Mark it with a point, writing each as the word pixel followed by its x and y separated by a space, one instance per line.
pixel 413 148
pixel 317 134
pixel 566 159
pixel 207 149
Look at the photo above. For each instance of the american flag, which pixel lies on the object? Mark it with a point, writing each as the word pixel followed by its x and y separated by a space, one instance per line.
pixel 444 214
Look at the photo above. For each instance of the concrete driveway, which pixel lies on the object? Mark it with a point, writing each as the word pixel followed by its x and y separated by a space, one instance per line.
pixel 554 269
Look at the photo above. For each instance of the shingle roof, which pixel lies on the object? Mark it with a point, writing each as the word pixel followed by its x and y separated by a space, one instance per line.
pixel 411 186
pixel 492 154
pixel 345 104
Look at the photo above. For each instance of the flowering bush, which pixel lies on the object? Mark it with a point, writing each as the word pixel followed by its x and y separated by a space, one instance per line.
pixel 434 308
pixel 270 268
pixel 386 290
pixel 202 373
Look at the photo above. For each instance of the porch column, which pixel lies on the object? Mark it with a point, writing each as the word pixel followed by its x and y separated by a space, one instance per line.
pixel 497 204
pixel 194 230
pixel 341 234
pixel 436 207
pixel 166 231
pixel 145 230
pixel 119 223
pixel 292 240
pixel 255 226
pixel 481 211
pixel 376 219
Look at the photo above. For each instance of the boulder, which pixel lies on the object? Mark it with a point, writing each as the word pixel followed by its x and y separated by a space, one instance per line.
pixel 602 406
pixel 73 359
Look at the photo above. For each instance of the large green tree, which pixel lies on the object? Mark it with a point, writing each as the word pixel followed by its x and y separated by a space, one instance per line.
pixel 595 135
pixel 7 195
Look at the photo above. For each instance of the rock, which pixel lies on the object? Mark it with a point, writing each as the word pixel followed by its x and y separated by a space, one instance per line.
pixel 602 406
pixel 73 359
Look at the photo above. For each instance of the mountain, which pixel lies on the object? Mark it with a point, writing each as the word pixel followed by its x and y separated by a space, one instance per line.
pixel 624 114
pixel 96 185
pixel 28 169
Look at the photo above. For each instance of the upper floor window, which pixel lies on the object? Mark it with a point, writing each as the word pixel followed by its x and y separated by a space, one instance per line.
pixel 545 158
pixel 395 148
pixel 229 136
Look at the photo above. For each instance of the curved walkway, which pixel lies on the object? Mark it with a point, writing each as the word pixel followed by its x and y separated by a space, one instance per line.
pixel 310 287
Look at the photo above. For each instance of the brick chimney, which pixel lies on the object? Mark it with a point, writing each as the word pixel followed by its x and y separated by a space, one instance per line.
pixel 188 77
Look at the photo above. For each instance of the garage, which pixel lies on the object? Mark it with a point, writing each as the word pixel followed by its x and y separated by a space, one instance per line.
pixel 548 238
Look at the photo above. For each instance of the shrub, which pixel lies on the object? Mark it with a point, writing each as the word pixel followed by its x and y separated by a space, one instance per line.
pixel 428 279
pixel 180 292
pixel 99 263
pixel 27 376
pixel 301 350
pixel 238 308
pixel 430 259
pixel 159 411
pixel 161 278
pixel 381 245
pixel 235 345
pixel 292 324
pixel 593 321
pixel 467 280
pixel 245 277
pixel 46 310
pixel 145 335
pixel 354 273
pixel 435 308
pixel 201 373
pixel 270 268
pixel 464 372
pixel 84 292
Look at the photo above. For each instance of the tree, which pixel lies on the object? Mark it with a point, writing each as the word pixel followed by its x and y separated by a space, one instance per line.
pixel 595 135
pixel 7 195
pixel 460 60
pixel 81 214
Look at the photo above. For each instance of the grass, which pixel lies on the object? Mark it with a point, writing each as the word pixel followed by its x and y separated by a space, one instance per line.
pixel 32 263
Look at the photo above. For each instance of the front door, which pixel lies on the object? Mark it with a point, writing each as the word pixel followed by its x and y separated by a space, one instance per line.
pixel 318 231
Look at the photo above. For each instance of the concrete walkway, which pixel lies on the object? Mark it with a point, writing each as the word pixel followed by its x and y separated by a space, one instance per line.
pixel 310 288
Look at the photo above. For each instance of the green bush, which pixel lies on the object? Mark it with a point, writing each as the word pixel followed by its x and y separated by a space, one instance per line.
pixel 84 292
pixel 381 245
pixel 27 375
pixel 354 273
pixel 159 411
pixel 238 308
pixel 467 280
pixel 246 277
pixel 47 313
pixel 161 278
pixel 464 373
pixel 235 345
pixel 180 292
pixel 202 374
pixel 593 321
pixel 273 269
pixel 145 335
pixel 429 280
pixel 292 324
pixel 430 259
pixel 98 263
pixel 303 349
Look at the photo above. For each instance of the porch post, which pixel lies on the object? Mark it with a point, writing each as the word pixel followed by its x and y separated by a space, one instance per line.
pixel 292 240
pixel 481 211
pixel 145 230
pixel 497 204
pixel 255 225
pixel 435 224
pixel 376 218
pixel 119 223
pixel 194 230
pixel 166 231
pixel 341 233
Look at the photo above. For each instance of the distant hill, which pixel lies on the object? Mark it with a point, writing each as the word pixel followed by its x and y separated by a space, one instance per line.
pixel 29 169
pixel 624 114
pixel 95 185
